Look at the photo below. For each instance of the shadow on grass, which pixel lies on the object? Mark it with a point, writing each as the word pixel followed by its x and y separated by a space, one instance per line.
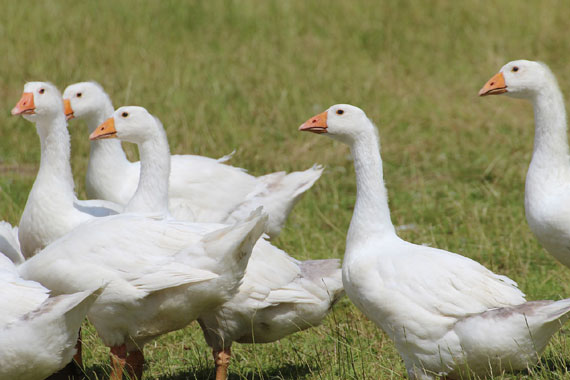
pixel 554 364
pixel 287 372
pixel 97 372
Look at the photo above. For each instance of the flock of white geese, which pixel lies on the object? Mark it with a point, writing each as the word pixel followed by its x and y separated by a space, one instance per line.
pixel 177 238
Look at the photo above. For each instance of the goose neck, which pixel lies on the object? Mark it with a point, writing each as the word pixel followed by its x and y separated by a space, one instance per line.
pixel 550 140
pixel 55 167
pixel 151 195
pixel 371 212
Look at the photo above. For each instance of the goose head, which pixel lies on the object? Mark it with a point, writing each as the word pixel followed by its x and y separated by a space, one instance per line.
pixel 341 122
pixel 519 79
pixel 132 124
pixel 84 100
pixel 39 100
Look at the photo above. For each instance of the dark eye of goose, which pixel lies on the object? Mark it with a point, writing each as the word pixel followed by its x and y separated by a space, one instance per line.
pixel 515 69
pixel 125 114
pixel 79 94
pixel 339 112
pixel 42 90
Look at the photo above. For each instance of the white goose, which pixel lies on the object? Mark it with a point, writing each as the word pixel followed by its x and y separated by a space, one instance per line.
pixel 547 188
pixel 201 188
pixel 445 313
pixel 279 295
pixel 160 275
pixel 37 332
pixel 52 209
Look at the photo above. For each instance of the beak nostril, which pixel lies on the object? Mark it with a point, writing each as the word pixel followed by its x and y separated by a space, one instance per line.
pixel 492 83
pixel 314 120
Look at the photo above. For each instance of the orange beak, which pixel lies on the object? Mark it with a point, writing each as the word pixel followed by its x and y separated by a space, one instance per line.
pixel 105 131
pixel 25 106
pixel 67 109
pixel 495 86
pixel 316 124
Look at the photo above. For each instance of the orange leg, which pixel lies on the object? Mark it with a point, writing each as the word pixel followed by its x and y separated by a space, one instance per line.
pixel 222 359
pixel 135 362
pixel 118 361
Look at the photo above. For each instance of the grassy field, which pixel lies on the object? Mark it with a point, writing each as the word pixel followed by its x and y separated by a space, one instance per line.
pixel 225 75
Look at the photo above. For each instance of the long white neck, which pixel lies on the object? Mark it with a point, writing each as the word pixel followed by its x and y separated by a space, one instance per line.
pixel 151 195
pixel 106 154
pixel 371 212
pixel 550 140
pixel 55 168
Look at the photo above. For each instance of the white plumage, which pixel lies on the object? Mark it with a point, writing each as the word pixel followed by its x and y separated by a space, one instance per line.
pixel 160 274
pixel 547 188
pixel 446 314
pixel 37 332
pixel 52 209
pixel 201 188
pixel 279 295
pixel 9 243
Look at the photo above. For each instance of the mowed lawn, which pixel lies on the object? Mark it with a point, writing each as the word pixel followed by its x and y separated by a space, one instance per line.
pixel 225 75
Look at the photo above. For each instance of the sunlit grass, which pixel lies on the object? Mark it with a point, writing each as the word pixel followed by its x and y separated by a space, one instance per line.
pixel 225 75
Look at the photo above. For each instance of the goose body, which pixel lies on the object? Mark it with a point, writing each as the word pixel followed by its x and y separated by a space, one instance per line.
pixel 37 332
pixel 446 313
pixel 52 209
pixel 200 188
pixel 160 274
pixel 547 186
pixel 279 295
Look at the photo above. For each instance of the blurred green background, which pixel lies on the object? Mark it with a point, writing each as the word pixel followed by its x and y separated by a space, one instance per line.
pixel 225 75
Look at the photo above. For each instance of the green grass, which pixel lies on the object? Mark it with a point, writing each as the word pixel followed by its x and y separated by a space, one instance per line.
pixel 244 74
